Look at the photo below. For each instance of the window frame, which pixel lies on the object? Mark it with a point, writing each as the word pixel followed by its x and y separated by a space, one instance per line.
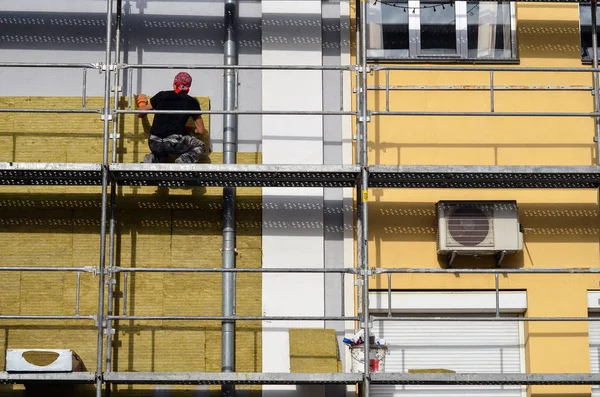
pixel 586 60
pixel 462 46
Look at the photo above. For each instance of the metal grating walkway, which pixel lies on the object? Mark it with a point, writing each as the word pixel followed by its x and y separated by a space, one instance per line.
pixel 261 175
pixel 235 175
pixel 423 176
pixel 50 174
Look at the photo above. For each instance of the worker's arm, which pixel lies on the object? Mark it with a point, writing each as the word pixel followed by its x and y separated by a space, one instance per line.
pixel 200 129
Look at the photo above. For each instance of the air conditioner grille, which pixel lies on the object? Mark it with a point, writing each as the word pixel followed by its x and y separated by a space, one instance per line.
pixel 470 226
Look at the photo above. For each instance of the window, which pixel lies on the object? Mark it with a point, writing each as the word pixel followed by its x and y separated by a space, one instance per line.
pixel 429 29
pixel 585 29
pixel 457 346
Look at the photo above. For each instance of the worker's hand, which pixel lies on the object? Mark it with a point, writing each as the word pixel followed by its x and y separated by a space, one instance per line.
pixel 142 102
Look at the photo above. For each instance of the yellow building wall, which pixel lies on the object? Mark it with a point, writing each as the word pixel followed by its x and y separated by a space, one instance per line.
pixel 59 226
pixel 561 225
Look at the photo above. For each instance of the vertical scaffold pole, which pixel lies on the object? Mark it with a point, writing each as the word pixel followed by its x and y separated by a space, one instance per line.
pixel 100 319
pixel 594 7
pixel 363 193
pixel 113 196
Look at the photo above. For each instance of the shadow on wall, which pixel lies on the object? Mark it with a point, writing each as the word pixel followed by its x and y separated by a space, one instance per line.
pixel 164 33
pixel 61 213
pixel 544 39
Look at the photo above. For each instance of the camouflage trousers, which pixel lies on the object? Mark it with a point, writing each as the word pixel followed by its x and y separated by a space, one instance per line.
pixel 188 147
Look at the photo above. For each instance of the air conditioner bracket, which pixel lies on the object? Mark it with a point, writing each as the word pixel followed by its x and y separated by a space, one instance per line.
pixel 451 258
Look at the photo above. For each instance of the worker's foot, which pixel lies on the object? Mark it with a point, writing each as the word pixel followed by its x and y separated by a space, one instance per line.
pixel 150 158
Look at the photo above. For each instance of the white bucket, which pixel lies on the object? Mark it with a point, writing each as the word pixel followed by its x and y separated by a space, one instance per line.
pixel 377 355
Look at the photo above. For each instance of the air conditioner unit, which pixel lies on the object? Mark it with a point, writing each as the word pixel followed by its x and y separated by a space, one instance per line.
pixel 478 228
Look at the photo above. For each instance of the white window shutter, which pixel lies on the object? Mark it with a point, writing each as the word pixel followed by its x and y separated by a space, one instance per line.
pixel 464 347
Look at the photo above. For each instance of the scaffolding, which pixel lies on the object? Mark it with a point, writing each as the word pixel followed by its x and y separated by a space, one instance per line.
pixel 361 176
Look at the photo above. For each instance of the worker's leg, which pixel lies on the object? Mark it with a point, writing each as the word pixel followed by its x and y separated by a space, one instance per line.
pixel 191 149
pixel 160 149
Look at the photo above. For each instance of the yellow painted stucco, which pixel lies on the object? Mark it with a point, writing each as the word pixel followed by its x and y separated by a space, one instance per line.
pixel 562 227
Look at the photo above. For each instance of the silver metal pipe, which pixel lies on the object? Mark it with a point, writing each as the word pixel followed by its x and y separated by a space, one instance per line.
pixel 125 283
pixel 129 88
pixel 595 77
pixel 498 114
pixel 377 68
pixel 233 270
pixel 492 106
pixel 25 110
pixel 491 271
pixel 508 319
pixel 48 65
pixel 77 293
pixel 236 318
pixel 116 79
pixel 84 90
pixel 504 87
pixel 230 58
pixel 46 269
pixel 113 195
pixel 44 317
pixel 244 112
pixel 101 320
pixel 389 295
pixel 364 186
pixel 387 90
pixel 497 282
pixel 240 67
pixel 343 294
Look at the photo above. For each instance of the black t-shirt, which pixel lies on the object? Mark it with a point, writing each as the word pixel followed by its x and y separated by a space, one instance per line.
pixel 168 124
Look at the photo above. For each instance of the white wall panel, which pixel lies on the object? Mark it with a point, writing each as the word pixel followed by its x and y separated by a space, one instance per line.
pixel 292 217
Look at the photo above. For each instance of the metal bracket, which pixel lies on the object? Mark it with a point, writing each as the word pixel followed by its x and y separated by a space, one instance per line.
pixel 115 136
pixel 500 257
pixel 451 258
pixel 110 67
pixel 367 69
pixel 596 138
pixel 103 117
pixel 117 89
pixel 109 330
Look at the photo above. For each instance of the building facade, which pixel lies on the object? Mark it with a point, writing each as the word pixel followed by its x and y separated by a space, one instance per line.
pixel 436 95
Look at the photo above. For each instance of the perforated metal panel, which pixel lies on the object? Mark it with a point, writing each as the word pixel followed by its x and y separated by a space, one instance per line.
pixel 484 177
pixel 234 175
pixel 50 174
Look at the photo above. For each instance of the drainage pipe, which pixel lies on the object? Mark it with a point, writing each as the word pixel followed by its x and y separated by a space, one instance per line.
pixel 229 157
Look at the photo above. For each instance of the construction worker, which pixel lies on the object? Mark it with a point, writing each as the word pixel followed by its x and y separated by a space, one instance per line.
pixel 168 134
